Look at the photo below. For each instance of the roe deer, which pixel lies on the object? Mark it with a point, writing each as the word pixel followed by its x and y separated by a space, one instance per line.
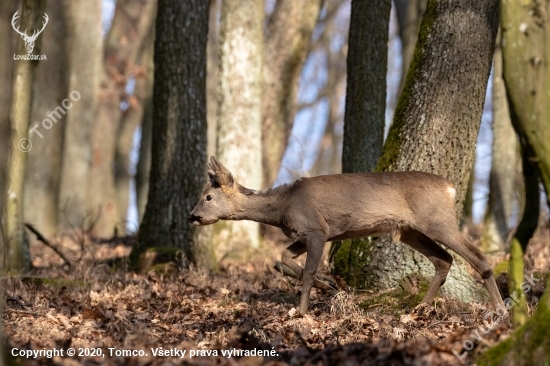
pixel 415 207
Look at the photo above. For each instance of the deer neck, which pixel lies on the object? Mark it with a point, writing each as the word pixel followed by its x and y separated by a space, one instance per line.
pixel 262 206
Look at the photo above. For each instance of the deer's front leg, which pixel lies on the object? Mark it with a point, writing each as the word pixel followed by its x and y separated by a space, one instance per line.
pixel 315 244
pixel 292 252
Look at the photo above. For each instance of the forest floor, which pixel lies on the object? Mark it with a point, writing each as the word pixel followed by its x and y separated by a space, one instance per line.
pixel 106 313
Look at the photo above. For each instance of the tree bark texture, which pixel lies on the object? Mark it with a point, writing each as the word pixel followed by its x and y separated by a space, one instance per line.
pixel 366 85
pixel 239 141
pixel 526 57
pixel 178 156
pixel 18 257
pixel 212 76
pixel 436 123
pixel 84 27
pixel 7 9
pixel 286 47
pixel 44 159
pixel 409 16
pixel 505 165
pixel 132 23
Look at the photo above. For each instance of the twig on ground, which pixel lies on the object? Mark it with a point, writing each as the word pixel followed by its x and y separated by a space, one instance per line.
pixel 41 238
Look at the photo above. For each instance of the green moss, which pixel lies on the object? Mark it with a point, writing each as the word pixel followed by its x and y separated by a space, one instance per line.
pixel 529 345
pixel 404 297
pixel 500 268
pixel 515 279
pixel 351 262
pixel 392 146
pixel 158 255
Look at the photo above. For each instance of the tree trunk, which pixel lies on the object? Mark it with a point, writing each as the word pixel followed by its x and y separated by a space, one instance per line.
pixel 178 157
pixel 18 258
pixel 212 76
pixel 44 160
pixel 132 22
pixel 366 86
pixel 409 16
pixel 85 49
pixel 131 119
pixel 7 9
pixel 503 180
pixel 526 57
pixel 286 47
pixel 239 143
pixel 436 124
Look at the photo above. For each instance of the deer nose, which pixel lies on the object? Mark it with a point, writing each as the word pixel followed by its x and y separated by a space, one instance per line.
pixel 192 218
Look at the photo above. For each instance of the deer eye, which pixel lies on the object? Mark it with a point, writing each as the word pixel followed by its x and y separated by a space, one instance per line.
pixel 209 198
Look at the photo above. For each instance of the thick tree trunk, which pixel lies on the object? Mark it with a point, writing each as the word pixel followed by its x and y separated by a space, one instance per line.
pixel 132 23
pixel 18 258
pixel 287 42
pixel 503 181
pixel 44 160
pixel 366 86
pixel 85 49
pixel 178 166
pixel 7 9
pixel 526 57
pixel 436 124
pixel 212 76
pixel 239 144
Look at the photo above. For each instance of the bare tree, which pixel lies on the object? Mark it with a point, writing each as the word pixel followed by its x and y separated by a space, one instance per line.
pixel 84 49
pixel 178 159
pixel 132 23
pixel 16 241
pixel 44 159
pixel 286 46
pixel 239 140
pixel 364 120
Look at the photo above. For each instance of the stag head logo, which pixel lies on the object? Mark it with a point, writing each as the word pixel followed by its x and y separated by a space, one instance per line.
pixel 29 40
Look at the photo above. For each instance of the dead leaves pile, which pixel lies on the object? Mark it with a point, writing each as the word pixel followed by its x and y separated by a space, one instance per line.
pixel 245 306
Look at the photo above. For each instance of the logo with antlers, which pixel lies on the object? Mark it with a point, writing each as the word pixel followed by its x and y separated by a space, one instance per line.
pixel 29 40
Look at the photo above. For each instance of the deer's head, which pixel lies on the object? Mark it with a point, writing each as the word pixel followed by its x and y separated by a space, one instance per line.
pixel 219 198
pixel 29 40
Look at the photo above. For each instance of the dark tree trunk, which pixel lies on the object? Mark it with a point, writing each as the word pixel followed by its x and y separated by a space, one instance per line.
pixel 436 124
pixel 178 159
pixel 366 86
pixel 287 42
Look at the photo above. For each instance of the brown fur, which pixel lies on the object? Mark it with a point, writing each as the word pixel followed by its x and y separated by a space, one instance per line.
pixel 415 207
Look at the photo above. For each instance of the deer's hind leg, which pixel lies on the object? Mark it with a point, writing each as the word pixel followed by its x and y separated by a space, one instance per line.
pixel 440 258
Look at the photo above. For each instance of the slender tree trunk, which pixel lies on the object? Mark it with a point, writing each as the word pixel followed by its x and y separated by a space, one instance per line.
pixel 286 47
pixel 44 160
pixel 239 143
pixel 526 57
pixel 504 165
pixel 132 23
pixel 7 9
pixel 83 20
pixel 178 159
pixel 366 87
pixel 436 124
pixel 18 258
pixel 131 119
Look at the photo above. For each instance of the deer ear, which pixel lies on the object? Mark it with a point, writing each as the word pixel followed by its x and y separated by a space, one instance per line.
pixel 220 173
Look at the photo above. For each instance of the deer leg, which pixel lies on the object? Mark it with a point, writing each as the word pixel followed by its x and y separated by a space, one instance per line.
pixel 292 252
pixel 440 258
pixel 315 246
pixel 458 243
